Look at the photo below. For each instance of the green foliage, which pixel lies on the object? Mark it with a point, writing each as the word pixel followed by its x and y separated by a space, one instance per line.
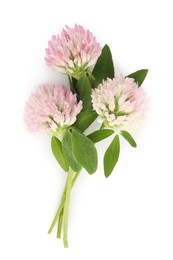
pixel 99 135
pixel 58 153
pixel 129 138
pixel 104 67
pixel 139 76
pixel 68 152
pixel 84 151
pixel 85 119
pixel 111 156
pixel 84 92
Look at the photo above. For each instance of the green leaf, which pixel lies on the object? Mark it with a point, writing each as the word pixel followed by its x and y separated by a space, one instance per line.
pixel 104 67
pixel 129 138
pixel 68 153
pixel 84 151
pixel 58 153
pixel 138 76
pixel 111 156
pixel 85 119
pixel 84 92
pixel 99 135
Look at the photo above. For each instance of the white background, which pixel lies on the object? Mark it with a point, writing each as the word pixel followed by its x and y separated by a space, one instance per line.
pixel 127 216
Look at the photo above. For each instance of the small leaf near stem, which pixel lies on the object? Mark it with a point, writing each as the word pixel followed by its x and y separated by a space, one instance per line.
pixel 99 135
pixel 129 138
pixel 56 146
pixel 111 156
pixel 66 207
pixel 138 76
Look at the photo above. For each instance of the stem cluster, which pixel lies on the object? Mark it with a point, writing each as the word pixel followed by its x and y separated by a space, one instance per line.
pixel 61 216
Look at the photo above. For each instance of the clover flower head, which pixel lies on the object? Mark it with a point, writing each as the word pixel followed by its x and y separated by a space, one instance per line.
pixel 120 104
pixel 73 51
pixel 51 109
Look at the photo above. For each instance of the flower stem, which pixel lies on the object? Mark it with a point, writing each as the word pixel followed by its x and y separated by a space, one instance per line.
pixel 59 210
pixel 66 207
pixel 61 206
pixel 60 224
pixel 62 212
pixel 75 179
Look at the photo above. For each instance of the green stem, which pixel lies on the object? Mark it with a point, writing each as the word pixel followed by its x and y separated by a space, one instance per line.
pixel 61 206
pixel 60 224
pixel 75 179
pixel 61 214
pixel 66 207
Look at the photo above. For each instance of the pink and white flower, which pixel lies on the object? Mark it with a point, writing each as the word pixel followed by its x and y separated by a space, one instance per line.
pixel 51 109
pixel 120 104
pixel 73 51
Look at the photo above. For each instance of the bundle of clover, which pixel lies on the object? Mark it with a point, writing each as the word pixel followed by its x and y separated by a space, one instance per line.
pixel 118 103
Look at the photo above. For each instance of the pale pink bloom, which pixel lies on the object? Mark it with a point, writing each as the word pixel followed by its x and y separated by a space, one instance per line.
pixel 50 109
pixel 120 104
pixel 73 51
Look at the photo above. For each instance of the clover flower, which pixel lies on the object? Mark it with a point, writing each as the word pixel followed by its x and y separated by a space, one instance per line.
pixel 51 109
pixel 73 51
pixel 120 104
